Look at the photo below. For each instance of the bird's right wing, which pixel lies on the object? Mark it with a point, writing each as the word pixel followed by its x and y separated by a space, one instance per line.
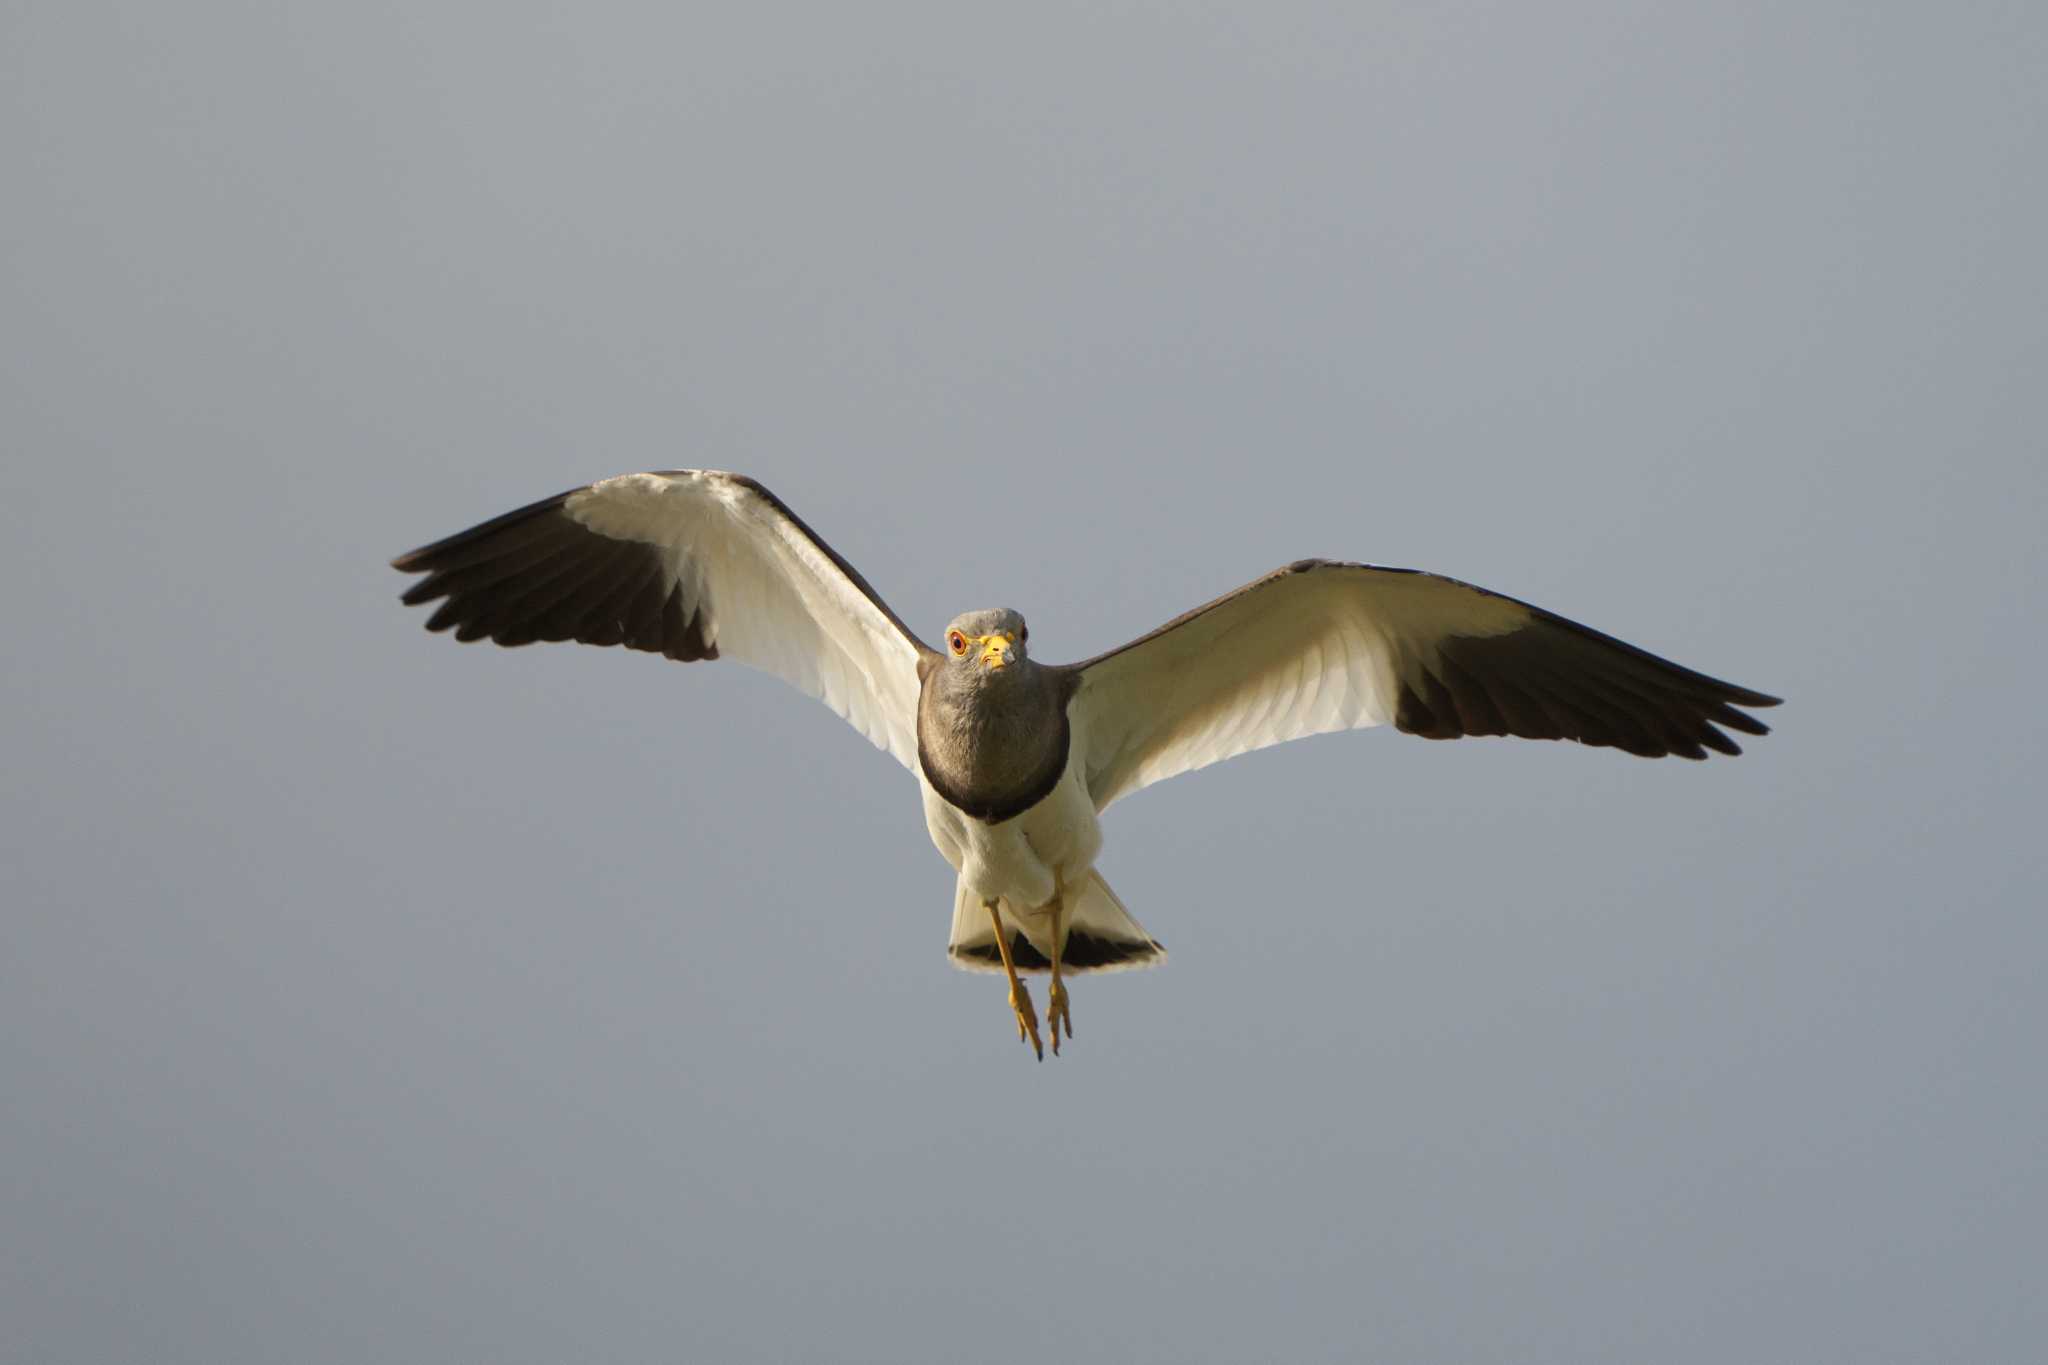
pixel 691 564
pixel 1321 646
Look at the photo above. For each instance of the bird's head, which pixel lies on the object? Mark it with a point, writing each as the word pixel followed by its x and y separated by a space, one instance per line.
pixel 984 643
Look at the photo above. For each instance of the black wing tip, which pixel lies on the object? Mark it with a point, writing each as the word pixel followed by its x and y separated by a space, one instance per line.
pixel 423 592
pixel 427 558
pixel 1738 720
pixel 534 574
pixel 1455 706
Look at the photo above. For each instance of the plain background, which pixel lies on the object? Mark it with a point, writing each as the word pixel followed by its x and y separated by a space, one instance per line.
pixel 367 998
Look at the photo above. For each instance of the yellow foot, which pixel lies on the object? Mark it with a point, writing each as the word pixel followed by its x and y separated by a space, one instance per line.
pixel 1027 1018
pixel 1056 1014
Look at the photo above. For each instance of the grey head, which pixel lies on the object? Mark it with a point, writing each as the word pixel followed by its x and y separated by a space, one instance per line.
pixel 983 646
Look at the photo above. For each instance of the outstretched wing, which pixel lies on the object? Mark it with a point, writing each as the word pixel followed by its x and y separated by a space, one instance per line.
pixel 1321 646
pixel 689 564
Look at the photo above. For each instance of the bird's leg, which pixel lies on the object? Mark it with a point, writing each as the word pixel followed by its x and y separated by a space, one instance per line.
pixel 1056 998
pixel 1020 998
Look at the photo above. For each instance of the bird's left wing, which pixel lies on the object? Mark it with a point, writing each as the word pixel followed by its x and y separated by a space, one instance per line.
pixel 690 564
pixel 1321 646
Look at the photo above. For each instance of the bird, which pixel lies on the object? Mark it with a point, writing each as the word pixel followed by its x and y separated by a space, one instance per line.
pixel 1017 760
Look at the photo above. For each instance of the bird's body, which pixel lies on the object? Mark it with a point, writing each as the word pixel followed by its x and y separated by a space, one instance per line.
pixel 1020 857
pixel 1005 799
pixel 1022 861
pixel 1016 760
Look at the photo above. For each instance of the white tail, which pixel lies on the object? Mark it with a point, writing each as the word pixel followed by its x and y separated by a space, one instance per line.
pixel 1101 936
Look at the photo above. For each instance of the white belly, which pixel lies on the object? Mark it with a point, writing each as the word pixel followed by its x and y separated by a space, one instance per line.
pixel 1018 859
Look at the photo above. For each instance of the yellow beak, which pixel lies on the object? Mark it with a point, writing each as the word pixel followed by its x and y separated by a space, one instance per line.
pixel 995 650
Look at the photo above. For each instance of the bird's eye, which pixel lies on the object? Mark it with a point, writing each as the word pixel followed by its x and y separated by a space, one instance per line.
pixel 958 642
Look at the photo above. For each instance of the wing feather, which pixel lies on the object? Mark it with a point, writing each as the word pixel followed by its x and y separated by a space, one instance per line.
pixel 690 564
pixel 1321 646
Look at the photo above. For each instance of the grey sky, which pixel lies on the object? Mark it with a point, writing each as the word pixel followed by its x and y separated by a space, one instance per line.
pixel 366 998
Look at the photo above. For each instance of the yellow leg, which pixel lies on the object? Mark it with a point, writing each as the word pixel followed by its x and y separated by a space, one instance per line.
pixel 1056 998
pixel 1020 998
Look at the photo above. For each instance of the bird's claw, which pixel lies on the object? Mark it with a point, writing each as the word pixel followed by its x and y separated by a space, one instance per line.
pixel 1056 1014
pixel 1027 1020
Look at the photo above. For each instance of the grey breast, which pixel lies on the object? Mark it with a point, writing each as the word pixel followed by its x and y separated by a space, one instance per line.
pixel 994 745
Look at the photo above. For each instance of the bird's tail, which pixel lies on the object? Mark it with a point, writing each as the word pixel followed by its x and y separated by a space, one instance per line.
pixel 1101 935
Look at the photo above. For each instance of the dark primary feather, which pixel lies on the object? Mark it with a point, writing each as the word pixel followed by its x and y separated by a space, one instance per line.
pixel 1557 679
pixel 537 574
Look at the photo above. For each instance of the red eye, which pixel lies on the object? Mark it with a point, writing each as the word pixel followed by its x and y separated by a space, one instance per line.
pixel 958 642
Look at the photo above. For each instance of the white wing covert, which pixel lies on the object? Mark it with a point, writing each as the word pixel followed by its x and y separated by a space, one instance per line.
pixel 1321 646
pixel 690 564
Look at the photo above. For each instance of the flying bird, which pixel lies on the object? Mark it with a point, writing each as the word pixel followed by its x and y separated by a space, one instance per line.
pixel 1016 760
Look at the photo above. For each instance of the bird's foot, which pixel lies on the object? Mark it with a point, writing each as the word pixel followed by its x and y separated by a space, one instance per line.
pixel 1056 1014
pixel 1027 1019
